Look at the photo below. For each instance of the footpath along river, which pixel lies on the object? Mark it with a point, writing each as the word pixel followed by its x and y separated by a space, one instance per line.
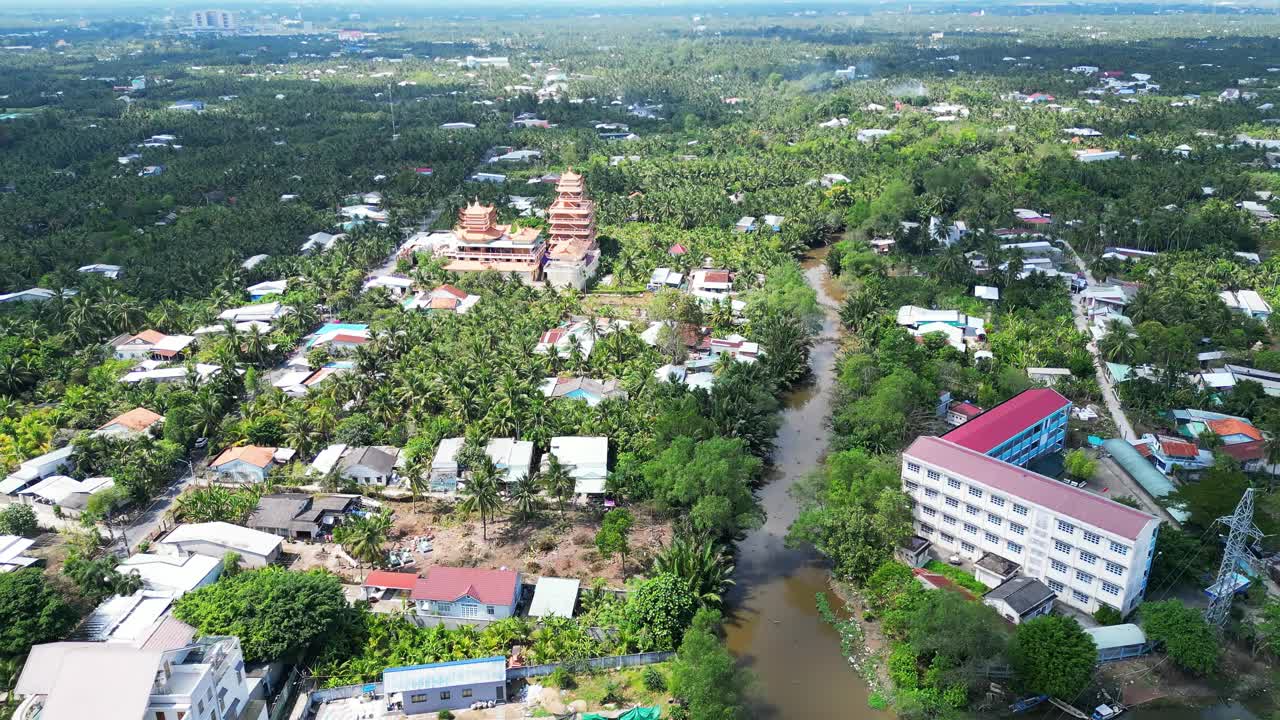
pixel 774 628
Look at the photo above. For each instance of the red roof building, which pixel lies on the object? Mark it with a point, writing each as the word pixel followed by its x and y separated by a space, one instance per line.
pixel 1018 430
pixel 387 580
pixel 1020 484
pixel 467 592
pixel 1090 550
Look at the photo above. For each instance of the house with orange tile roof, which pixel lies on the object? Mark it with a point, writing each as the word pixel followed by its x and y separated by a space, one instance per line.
pixel 445 298
pixel 151 344
pixel 1240 438
pixel 248 463
pixel 1170 452
pixel 137 421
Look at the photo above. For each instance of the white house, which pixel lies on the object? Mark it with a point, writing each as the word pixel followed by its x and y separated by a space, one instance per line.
pixel 37 468
pixel 586 459
pixel 216 539
pixel 111 272
pixel 1095 155
pixel 11 557
pixel 168 676
pixel 173 574
pixel 513 458
pixel 267 287
pixel 262 312
pixel 1248 302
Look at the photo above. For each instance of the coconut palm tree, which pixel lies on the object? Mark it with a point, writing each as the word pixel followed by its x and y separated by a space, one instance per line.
pixel 701 563
pixel 524 496
pixel 364 537
pixel 416 477
pixel 482 495
pixel 558 482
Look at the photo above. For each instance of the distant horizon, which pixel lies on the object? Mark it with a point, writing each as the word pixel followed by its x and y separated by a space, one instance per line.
pixel 95 8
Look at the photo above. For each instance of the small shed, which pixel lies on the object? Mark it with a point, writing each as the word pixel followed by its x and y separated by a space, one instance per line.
pixel 448 685
pixel 1119 642
pixel 914 551
pixel 1020 599
pixel 555 597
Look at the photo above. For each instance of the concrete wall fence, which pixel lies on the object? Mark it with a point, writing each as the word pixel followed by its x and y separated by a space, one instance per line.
pixel 613 662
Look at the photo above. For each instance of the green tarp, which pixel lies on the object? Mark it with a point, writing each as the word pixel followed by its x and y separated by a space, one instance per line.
pixel 640 713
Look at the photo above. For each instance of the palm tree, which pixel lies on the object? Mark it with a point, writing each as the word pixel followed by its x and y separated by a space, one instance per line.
pixel 524 496
pixel 557 481
pixel 417 480
pixel 364 537
pixel 1119 343
pixel 701 563
pixel 482 494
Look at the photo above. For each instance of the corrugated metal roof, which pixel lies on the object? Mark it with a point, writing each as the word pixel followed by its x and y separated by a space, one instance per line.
pixel 1007 419
pixel 1144 473
pixel 444 675
pixel 1114 636
pixel 555 597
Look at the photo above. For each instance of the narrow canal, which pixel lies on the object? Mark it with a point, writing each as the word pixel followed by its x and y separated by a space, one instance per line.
pixel 774 628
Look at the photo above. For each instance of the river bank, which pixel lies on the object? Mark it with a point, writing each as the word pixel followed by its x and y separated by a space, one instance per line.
pixel 774 628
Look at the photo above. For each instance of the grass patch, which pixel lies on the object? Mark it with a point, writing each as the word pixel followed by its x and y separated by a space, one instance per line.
pixel 628 682
pixel 957 576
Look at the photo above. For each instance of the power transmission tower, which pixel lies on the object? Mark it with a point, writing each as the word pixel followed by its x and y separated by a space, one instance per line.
pixel 1242 529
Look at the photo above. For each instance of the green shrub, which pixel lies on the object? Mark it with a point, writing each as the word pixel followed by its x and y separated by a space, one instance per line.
pixel 904 668
pixel 653 679
pixel 561 678
pixel 613 693
pixel 957 576
pixel 444 715
pixel 877 701
pixel 1108 616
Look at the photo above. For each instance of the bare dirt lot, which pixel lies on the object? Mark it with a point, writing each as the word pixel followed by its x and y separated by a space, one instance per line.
pixel 553 544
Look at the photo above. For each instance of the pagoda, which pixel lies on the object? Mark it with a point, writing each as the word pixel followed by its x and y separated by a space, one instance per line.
pixel 573 253
pixel 480 243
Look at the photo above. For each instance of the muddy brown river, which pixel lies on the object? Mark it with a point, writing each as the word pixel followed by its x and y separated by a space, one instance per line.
pixel 774 628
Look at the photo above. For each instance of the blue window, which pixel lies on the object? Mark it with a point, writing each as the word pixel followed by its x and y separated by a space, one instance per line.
pixel 1014 547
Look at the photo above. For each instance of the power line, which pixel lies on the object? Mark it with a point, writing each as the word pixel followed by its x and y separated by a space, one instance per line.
pixel 1221 593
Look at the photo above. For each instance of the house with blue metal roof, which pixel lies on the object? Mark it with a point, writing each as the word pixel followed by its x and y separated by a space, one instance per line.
pixel 447 685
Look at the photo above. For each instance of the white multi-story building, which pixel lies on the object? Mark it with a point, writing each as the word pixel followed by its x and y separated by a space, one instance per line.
pixel 1009 521
pixel 214 20
pixel 168 678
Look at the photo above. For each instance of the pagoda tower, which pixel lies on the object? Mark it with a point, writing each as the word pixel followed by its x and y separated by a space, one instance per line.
pixel 572 219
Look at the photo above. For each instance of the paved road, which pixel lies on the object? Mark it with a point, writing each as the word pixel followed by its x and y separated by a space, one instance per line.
pixel 150 519
pixel 1109 395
